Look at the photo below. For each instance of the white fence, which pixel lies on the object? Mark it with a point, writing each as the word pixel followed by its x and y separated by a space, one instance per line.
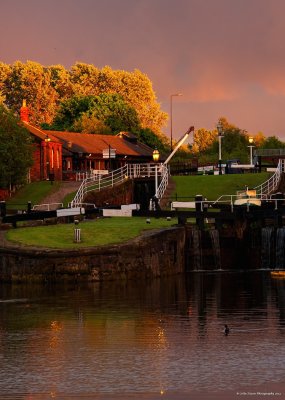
pixel 98 182
pixel 262 191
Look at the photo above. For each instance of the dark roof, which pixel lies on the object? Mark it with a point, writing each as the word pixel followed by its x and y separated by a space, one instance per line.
pixel 95 144
pixel 38 133
pixel 73 142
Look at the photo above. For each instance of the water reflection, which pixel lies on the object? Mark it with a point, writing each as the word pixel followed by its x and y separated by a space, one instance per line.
pixel 164 336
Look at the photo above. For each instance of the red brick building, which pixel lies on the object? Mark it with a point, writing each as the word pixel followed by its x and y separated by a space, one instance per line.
pixel 65 155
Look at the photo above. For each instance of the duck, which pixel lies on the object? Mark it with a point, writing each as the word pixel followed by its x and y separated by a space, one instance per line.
pixel 226 330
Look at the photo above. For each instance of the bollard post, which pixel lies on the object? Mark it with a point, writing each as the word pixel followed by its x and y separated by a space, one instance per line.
pixel 77 232
pixel 199 210
pixel 77 235
pixel 2 208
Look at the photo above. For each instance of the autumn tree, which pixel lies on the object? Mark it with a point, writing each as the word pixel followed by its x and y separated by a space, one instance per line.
pixel 15 150
pixel 4 73
pixel 258 139
pixel 31 81
pixel 203 139
pixel 45 87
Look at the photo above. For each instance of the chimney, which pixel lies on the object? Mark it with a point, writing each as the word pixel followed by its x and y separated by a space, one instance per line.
pixel 24 112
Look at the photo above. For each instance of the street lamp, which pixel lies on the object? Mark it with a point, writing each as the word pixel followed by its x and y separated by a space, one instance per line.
pixel 47 140
pixel 155 156
pixel 250 139
pixel 220 134
pixel 171 97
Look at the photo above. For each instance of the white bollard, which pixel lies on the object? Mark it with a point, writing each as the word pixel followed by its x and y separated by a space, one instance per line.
pixel 77 234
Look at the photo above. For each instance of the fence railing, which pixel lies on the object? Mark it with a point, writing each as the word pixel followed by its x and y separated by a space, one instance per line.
pixel 97 182
pixel 265 189
pixel 164 173
pixel 272 183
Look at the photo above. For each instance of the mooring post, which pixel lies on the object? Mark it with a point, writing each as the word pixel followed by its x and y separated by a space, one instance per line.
pixel 2 208
pixel 77 232
pixel 199 210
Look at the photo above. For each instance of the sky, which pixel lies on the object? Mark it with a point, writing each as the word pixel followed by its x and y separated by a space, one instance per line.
pixel 226 57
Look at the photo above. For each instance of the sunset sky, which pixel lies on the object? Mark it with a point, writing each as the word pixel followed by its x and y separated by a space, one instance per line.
pixel 226 57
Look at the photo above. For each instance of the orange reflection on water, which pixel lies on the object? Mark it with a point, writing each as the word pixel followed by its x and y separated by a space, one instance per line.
pixel 56 328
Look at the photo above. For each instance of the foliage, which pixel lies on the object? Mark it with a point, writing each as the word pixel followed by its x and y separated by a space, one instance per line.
pixel 45 88
pixel 234 143
pixel 31 81
pixel 104 114
pixel 87 112
pixel 272 142
pixel 90 124
pixel 202 140
pixel 15 150
pixel 147 136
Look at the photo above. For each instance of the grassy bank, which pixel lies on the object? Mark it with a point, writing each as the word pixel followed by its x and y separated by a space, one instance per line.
pixel 34 192
pixel 98 232
pixel 117 230
pixel 213 186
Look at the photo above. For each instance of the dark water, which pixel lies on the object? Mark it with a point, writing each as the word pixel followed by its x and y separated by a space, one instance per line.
pixel 138 340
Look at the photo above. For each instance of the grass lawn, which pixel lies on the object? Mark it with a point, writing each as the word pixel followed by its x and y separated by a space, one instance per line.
pixel 213 186
pixel 33 192
pixel 102 231
pixel 117 230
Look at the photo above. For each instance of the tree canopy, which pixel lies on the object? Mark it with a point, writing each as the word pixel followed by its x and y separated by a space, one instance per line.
pixel 235 142
pixel 45 88
pixel 15 150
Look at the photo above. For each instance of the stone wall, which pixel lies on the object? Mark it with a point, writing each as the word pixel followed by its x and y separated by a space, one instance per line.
pixel 152 255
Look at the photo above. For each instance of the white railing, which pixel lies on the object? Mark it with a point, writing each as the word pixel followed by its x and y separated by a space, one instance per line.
pixel 163 183
pixel 272 183
pixel 97 183
pixel 47 206
pixel 229 200
pixel 264 190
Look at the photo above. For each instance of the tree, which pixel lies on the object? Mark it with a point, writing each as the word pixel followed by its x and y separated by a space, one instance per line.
pixel 110 109
pixel 45 88
pixel 15 150
pixel 272 142
pixel 203 140
pixel 31 81
pixel 147 136
pixel 91 124
pixel 258 139
pixel 4 73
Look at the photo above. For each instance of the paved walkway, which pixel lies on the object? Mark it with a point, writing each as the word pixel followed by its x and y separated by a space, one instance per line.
pixel 59 195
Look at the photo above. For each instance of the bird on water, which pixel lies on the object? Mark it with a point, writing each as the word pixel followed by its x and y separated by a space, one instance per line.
pixel 226 330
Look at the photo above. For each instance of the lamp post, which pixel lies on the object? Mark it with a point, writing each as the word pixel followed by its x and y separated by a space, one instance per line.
pixel 171 97
pixel 155 156
pixel 47 140
pixel 250 139
pixel 220 134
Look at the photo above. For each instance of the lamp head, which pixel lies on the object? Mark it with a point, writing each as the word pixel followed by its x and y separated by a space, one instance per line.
pixel 220 128
pixel 250 139
pixel 155 155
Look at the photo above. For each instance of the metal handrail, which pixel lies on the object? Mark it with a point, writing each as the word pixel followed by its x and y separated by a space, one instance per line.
pixel 129 171
pixel 272 183
pixel 48 206
pixel 164 182
pixel 267 187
